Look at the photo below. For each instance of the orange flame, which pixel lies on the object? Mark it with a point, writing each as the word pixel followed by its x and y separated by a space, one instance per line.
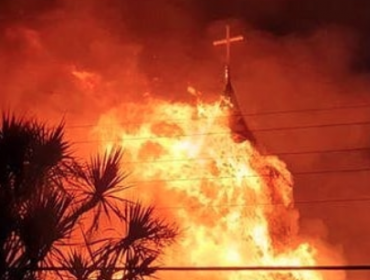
pixel 234 206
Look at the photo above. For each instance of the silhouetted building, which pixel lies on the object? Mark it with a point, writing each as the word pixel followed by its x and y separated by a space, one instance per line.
pixel 237 123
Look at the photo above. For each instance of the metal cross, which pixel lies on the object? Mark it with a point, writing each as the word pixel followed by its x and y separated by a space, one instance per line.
pixel 227 41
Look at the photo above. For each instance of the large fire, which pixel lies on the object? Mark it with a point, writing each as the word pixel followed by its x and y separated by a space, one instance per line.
pixel 233 204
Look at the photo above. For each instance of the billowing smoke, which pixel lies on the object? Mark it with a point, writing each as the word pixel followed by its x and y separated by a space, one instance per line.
pixel 79 59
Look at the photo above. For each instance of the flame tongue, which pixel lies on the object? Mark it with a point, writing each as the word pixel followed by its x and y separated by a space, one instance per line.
pixel 234 206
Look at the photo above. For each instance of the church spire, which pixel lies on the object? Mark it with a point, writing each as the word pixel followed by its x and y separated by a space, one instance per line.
pixel 237 124
pixel 227 42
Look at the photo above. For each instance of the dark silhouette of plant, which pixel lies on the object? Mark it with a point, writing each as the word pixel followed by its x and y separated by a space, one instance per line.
pixel 54 211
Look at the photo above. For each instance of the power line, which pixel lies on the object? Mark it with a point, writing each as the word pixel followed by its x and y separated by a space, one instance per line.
pixel 331 171
pixel 311 126
pixel 308 152
pixel 215 268
pixel 299 202
pixel 228 133
pixel 303 173
pixel 263 268
pixel 320 201
pixel 359 149
pixel 281 112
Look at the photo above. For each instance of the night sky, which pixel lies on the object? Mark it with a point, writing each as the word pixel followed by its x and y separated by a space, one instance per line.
pixel 167 20
pixel 297 55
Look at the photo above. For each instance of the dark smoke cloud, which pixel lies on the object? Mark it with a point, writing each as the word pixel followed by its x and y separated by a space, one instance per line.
pixel 81 58
pixel 67 60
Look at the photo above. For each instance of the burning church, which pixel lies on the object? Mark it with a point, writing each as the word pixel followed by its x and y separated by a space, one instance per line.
pixel 237 124
pixel 235 206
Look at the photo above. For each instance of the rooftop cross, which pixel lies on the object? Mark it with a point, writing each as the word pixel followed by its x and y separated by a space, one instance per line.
pixel 227 41
pixel 237 125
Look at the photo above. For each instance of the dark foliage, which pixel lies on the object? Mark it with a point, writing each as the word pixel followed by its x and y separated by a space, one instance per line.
pixel 46 197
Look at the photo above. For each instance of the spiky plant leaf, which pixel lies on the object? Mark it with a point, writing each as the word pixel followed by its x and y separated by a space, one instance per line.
pixel 143 238
pixel 30 153
pixel 136 267
pixel 77 265
pixel 41 211
pixel 52 148
pixel 45 221
pixel 103 174
pixel 16 137
pixel 143 225
pixel 103 181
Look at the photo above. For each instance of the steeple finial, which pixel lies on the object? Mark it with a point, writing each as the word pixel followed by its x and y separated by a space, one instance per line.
pixel 237 124
pixel 227 42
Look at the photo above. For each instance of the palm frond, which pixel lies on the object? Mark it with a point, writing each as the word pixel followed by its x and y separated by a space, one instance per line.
pixel 7 223
pixel 30 152
pixel 33 161
pixel 77 265
pixel 144 235
pixel 49 156
pixel 15 140
pixel 138 268
pixel 50 148
pixel 44 194
pixel 103 174
pixel 103 180
pixel 106 261
pixel 44 222
pixel 12 248
pixel 142 224
pixel 143 238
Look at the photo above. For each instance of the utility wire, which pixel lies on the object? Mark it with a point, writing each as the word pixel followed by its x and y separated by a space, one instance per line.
pixel 216 268
pixel 297 153
pixel 303 173
pixel 263 268
pixel 259 268
pixel 228 132
pixel 358 149
pixel 299 202
pixel 282 112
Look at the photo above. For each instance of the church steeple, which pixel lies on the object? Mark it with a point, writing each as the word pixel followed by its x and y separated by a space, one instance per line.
pixel 237 124
pixel 228 90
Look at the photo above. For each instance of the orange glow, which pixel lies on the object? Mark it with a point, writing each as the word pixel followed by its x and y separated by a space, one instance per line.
pixel 87 80
pixel 234 205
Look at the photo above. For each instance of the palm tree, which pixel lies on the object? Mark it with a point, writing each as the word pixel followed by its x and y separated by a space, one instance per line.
pixel 48 199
